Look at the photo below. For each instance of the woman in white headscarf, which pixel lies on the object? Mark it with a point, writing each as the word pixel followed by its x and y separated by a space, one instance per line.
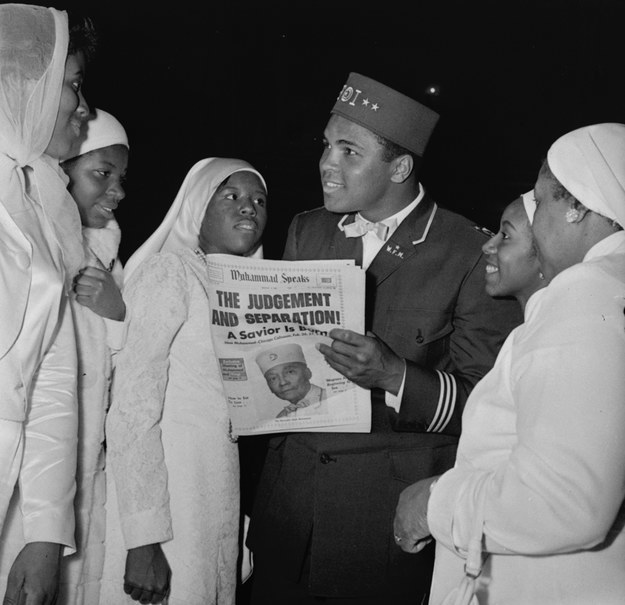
pixel 535 500
pixel 96 171
pixel 174 461
pixel 41 109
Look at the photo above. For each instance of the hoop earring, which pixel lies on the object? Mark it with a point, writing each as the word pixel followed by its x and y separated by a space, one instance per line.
pixel 572 215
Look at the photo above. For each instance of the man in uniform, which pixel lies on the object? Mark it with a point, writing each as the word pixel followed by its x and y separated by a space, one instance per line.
pixel 322 523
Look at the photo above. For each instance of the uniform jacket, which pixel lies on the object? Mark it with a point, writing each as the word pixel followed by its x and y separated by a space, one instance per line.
pixel 338 491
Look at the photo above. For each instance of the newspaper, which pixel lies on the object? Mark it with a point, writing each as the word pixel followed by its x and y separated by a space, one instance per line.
pixel 268 318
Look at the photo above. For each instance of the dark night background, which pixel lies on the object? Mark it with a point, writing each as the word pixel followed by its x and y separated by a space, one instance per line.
pixel 257 80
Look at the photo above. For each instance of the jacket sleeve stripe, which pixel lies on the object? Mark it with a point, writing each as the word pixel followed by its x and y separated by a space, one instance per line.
pixel 446 403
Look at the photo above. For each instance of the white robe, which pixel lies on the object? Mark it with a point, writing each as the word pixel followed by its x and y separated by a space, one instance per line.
pixel 38 377
pixel 543 438
pixel 99 339
pixel 175 469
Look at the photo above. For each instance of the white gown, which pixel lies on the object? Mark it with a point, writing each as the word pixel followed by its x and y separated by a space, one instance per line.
pixel 175 469
pixel 38 376
pixel 98 340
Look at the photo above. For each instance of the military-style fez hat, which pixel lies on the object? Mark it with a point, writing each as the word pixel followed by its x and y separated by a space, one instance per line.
pixel 386 112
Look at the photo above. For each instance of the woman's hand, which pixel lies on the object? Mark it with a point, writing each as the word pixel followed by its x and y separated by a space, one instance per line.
pixel 410 526
pixel 147 574
pixel 34 575
pixel 96 289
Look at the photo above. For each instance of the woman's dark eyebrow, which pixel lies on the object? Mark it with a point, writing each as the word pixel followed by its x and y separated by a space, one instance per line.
pixel 508 224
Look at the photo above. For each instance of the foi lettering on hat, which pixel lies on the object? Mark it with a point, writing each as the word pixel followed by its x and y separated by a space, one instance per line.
pixel 386 112
pixel 287 353
pixel 590 163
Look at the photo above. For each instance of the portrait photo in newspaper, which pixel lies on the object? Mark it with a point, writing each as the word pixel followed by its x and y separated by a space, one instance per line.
pixel 288 375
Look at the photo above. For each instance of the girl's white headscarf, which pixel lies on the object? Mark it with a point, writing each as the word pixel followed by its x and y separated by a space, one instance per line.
pixel 181 226
pixel 101 130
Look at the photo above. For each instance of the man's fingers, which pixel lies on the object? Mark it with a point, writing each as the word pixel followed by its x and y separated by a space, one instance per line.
pixel 350 338
pixel 337 362
pixel 341 334
pixel 333 354
pixel 345 353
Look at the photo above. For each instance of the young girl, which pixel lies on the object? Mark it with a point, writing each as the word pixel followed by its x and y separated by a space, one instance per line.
pixel 95 176
pixel 175 466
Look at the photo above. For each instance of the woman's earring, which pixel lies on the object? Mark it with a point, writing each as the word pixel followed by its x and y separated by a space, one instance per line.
pixel 572 215
pixel 541 275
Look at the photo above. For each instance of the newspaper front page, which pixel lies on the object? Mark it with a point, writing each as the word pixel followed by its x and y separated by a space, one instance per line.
pixel 267 319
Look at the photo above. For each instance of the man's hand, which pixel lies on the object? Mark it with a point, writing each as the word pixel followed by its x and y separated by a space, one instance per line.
pixel 96 289
pixel 410 526
pixel 147 574
pixel 34 575
pixel 365 360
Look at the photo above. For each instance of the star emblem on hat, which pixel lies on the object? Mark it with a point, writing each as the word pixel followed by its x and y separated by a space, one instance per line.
pixel 368 104
pixel 387 112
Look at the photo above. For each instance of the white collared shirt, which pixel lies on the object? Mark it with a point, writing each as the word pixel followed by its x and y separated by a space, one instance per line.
pixel 371 243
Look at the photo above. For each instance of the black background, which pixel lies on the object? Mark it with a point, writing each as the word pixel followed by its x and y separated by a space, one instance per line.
pixel 257 81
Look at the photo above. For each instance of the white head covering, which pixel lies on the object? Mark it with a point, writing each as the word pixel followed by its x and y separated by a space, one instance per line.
pixel 590 163
pixel 100 131
pixel 286 353
pixel 33 49
pixel 529 202
pixel 181 226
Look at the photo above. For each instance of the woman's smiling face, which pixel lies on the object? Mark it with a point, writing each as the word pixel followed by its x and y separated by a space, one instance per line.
pixel 73 109
pixel 96 183
pixel 512 263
